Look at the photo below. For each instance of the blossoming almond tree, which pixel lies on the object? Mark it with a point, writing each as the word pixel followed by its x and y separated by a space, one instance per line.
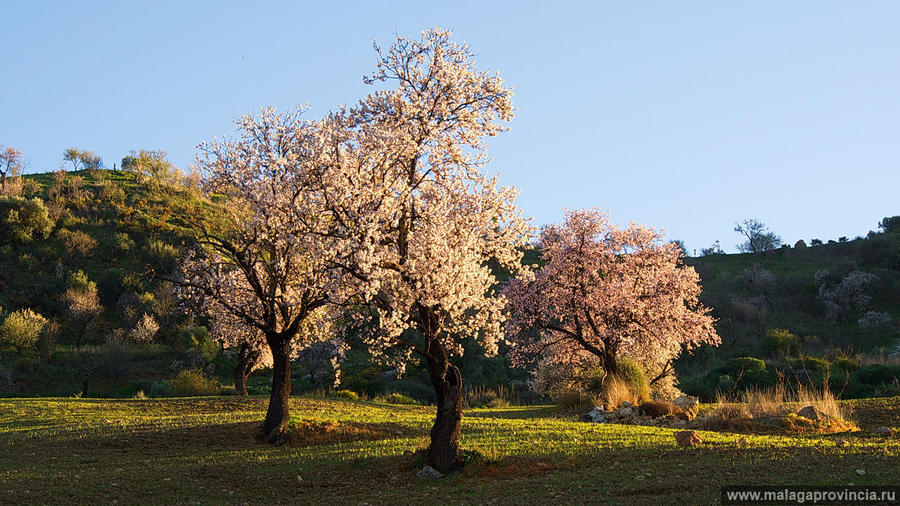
pixel 605 292
pixel 269 262
pixel 426 217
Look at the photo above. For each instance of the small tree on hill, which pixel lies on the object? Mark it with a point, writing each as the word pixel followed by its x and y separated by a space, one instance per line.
pixel 759 238
pixel 10 165
pixel 605 292
pixel 82 305
pixel 22 328
pixel 82 159
pixel 890 224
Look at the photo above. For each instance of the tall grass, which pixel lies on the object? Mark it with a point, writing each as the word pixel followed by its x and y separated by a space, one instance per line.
pixel 777 401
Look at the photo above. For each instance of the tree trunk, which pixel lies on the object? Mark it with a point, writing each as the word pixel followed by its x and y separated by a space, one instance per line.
pixel 278 414
pixel 240 381
pixel 609 364
pixel 246 361
pixel 443 453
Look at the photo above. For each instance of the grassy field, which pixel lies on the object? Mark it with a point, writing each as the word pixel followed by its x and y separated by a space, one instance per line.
pixel 202 451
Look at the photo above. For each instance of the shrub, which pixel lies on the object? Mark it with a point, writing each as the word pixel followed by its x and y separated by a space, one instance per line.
pixel 875 322
pixel 349 395
pixel 633 375
pixel 483 397
pixel 800 244
pixel 145 330
pixel 876 374
pixel 76 241
pixel 192 382
pixel 22 328
pixel 780 342
pixel 124 242
pixel 574 399
pixel 200 344
pixel 23 220
pixel 397 398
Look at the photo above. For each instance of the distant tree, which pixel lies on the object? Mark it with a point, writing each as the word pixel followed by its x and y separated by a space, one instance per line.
pixel 10 165
pixel 22 328
pixel 82 159
pixel 323 360
pixel 759 238
pixel 149 166
pixel 816 242
pixel 605 293
pixel 82 305
pixel 843 238
pixel 714 249
pixel 800 244
pixel 890 224
pixel 145 330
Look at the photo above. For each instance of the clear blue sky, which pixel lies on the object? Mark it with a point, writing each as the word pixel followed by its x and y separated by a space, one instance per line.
pixel 687 116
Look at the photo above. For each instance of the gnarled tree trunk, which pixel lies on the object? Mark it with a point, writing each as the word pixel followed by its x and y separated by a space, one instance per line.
pixel 278 414
pixel 248 357
pixel 443 453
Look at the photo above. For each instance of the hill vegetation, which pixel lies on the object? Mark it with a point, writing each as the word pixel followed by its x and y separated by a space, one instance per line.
pixel 825 314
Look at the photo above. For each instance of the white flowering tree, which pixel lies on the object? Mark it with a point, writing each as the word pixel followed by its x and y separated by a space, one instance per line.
pixel 268 263
pixel 424 216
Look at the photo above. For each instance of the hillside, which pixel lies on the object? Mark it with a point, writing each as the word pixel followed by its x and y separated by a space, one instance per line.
pixel 124 230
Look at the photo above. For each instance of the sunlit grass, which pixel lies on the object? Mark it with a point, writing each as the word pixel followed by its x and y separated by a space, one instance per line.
pixel 203 450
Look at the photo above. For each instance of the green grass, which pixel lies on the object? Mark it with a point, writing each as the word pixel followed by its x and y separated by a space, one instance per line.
pixel 202 450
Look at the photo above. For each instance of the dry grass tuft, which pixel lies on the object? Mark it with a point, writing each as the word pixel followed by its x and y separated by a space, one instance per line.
pixel 616 391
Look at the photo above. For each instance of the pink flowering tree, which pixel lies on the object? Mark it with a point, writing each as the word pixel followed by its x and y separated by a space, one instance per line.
pixel 605 292
pixel 425 216
pixel 267 260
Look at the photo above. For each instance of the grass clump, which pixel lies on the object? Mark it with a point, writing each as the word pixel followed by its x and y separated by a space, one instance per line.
pixel 483 397
pixel 192 383
pixel 349 395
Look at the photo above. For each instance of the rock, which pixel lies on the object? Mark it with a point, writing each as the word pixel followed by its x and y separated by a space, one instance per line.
pixel 686 401
pixel 812 413
pixel 429 473
pixel 882 430
pixel 625 411
pixel 689 406
pixel 680 424
pixel 596 415
pixel 688 438
pixel 861 472
pixel 626 404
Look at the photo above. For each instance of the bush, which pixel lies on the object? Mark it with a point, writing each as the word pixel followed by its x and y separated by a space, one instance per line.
pixel 633 375
pixel 23 220
pixel 200 344
pixel 192 382
pixel 483 397
pixel 876 374
pixel 397 398
pixel 349 395
pixel 76 241
pixel 780 342
pixel 22 328
pixel 572 400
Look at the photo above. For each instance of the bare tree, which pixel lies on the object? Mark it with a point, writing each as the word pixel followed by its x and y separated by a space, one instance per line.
pixel 759 238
